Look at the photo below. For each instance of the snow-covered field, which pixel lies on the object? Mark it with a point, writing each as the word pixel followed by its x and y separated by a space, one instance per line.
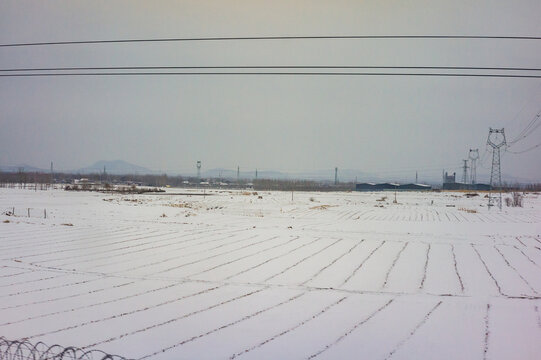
pixel 238 275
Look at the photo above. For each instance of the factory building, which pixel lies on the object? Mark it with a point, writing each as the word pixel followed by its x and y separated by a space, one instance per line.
pixel 391 187
pixel 450 183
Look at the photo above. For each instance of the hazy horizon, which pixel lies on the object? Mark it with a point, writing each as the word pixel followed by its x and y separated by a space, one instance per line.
pixel 380 125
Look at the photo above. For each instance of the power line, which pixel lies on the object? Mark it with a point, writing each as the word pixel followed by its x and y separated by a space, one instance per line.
pixel 271 67
pixel 529 129
pixel 276 74
pixel 523 151
pixel 241 38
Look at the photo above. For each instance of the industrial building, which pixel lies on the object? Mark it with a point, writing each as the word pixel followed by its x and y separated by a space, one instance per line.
pixel 391 187
pixel 450 183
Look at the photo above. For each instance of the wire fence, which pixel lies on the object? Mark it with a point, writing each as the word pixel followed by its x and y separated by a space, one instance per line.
pixel 25 350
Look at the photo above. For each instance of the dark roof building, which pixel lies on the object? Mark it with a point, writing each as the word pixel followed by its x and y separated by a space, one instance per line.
pixel 391 186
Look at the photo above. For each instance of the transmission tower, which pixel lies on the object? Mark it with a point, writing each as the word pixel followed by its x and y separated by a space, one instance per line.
pixel 496 140
pixel 198 165
pixel 473 156
pixel 465 172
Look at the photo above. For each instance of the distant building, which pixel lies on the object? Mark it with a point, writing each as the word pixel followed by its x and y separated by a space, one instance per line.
pixel 449 183
pixel 449 179
pixel 391 187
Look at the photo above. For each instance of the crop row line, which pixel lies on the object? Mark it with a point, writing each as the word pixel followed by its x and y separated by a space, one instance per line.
pixel 284 332
pixel 333 262
pixel 362 263
pixel 301 261
pixel 176 257
pixel 350 330
pixel 172 320
pixel 222 327
pixel 126 313
pixel 515 270
pixel 395 260
pixel 412 333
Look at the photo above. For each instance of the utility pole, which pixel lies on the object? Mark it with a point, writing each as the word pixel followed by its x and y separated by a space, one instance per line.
pixel 256 174
pixel 473 156
pixel 465 172
pixel 52 175
pixel 416 178
pixel 335 176
pixel 238 174
pixel 496 140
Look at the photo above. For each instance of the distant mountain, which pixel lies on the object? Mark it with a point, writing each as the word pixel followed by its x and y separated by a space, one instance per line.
pixel 115 167
pixel 23 167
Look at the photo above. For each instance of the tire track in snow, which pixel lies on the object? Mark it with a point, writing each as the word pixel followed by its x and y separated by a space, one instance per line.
pixel 176 319
pixel 244 318
pixel 393 264
pixel 422 285
pixel 274 337
pixel 332 262
pixel 456 268
pixel 350 330
pixel 301 261
pixel 516 271
pixel 412 333
pixel 116 316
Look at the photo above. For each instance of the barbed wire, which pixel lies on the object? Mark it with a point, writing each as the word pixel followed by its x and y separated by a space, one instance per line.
pixel 25 350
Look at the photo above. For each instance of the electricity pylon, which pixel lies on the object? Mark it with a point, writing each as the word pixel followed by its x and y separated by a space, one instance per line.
pixel 473 156
pixel 496 140
pixel 465 172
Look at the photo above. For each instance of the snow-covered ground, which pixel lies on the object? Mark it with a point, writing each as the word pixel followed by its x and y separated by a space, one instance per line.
pixel 263 276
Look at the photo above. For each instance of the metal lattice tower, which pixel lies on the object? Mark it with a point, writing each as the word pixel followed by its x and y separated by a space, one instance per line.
pixel 465 172
pixel 473 156
pixel 496 140
pixel 198 165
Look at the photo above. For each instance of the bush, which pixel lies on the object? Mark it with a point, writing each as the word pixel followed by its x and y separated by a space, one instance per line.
pixel 515 200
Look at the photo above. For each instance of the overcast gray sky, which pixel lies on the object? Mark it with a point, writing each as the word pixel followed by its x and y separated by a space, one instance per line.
pixel 374 124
